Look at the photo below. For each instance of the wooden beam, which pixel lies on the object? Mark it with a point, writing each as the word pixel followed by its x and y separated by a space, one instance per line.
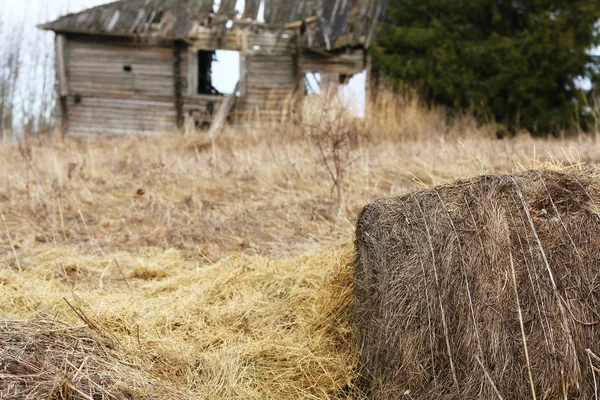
pixel 219 121
pixel 178 47
pixel 62 82
pixel 330 84
pixel 61 64
pixel 374 22
pixel 227 7
pixel 206 6
pixel 300 23
pixel 192 71
pixel 251 9
pixel 243 63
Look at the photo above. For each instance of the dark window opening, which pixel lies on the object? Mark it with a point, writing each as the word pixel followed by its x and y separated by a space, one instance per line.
pixel 344 79
pixel 154 17
pixel 77 99
pixel 205 60
pixel 127 68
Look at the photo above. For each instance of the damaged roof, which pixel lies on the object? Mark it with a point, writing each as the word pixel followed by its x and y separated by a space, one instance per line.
pixel 331 23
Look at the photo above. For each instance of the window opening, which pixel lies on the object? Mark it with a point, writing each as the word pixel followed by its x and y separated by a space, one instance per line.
pixel 218 72
pixel 312 82
pixel 350 88
pixel 127 68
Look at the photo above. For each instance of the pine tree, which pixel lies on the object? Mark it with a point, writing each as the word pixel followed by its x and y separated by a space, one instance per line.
pixel 511 61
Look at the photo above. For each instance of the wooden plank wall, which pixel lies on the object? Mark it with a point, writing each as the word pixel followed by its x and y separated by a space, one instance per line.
pixel 61 84
pixel 127 86
pixel 105 98
pixel 270 80
pixel 271 83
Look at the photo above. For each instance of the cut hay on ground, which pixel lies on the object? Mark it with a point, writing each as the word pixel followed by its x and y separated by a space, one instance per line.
pixel 486 288
pixel 44 359
pixel 245 328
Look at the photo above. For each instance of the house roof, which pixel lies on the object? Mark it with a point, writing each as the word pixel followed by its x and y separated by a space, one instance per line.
pixel 172 19
pixel 351 20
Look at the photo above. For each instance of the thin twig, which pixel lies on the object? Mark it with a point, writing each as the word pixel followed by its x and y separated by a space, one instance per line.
pixel 12 245
pixel 441 303
pixel 100 280
pixel 590 354
pixel 522 325
pixel 122 273
pixel 88 231
pixel 489 378
pixel 559 300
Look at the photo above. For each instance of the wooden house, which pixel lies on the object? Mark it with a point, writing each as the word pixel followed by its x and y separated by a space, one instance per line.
pixel 141 66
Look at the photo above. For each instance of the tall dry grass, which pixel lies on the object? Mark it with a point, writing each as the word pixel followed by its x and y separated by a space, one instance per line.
pixel 213 266
pixel 255 191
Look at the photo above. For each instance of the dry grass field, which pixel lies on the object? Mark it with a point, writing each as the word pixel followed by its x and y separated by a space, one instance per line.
pixel 185 267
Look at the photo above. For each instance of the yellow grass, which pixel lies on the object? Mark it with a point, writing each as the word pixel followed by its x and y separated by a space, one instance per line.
pixel 246 327
pixel 221 269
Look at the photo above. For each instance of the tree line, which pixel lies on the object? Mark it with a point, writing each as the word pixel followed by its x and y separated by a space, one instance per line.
pixel 521 64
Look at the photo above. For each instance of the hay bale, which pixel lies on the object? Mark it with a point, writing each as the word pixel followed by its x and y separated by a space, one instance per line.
pixel 486 288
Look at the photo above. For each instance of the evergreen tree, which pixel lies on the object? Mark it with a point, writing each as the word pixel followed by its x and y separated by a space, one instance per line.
pixel 511 61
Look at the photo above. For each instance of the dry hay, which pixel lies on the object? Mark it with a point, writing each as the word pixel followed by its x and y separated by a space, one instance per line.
pixel 486 288
pixel 243 328
pixel 47 359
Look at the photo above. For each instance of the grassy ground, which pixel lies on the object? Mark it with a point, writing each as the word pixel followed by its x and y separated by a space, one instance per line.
pixel 218 269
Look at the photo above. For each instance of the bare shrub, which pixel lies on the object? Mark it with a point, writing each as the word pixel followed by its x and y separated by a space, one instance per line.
pixel 335 135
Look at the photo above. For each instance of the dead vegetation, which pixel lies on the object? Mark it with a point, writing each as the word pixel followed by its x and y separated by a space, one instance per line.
pixel 42 359
pixel 211 268
pixel 247 327
pixel 257 192
pixel 482 289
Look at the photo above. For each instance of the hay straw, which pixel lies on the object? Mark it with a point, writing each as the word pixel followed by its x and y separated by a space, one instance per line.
pixel 246 327
pixel 509 263
pixel 261 192
pixel 47 359
pixel 12 245
pixel 207 291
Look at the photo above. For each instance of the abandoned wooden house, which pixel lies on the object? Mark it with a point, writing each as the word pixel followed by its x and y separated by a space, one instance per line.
pixel 142 66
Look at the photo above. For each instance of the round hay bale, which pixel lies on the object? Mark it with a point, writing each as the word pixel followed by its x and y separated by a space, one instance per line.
pixel 485 288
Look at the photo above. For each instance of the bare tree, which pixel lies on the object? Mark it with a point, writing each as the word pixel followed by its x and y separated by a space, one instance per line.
pixel 335 136
pixel 26 78
pixel 10 68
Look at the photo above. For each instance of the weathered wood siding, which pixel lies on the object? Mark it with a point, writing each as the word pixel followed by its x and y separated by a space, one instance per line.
pixel 349 62
pixel 105 97
pixel 120 86
pixel 270 81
